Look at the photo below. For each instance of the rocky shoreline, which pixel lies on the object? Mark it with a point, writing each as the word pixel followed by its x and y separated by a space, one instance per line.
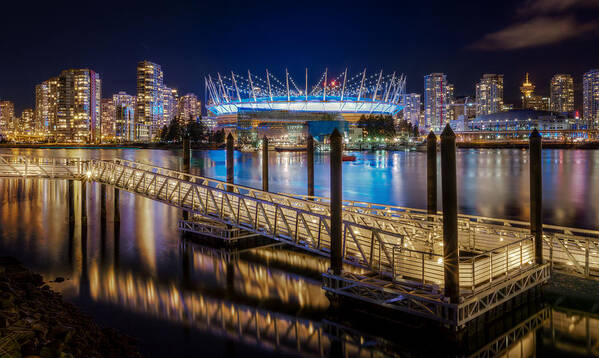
pixel 36 322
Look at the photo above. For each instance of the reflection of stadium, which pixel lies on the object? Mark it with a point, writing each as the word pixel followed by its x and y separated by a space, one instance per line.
pixel 286 111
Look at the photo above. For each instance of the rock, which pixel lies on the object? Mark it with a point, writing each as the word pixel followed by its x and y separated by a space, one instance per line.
pixel 40 324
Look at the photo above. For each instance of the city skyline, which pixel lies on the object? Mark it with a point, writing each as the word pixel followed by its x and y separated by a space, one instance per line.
pixel 72 108
pixel 195 44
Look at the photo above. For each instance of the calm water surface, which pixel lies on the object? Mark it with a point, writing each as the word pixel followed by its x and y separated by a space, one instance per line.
pixel 178 297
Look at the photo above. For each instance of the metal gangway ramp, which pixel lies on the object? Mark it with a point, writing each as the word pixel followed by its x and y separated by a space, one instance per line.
pixel 398 251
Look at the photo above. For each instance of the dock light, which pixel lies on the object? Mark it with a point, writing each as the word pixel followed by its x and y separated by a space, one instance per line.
pixel 89 174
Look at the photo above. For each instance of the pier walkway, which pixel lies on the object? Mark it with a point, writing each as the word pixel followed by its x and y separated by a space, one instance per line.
pixel 399 250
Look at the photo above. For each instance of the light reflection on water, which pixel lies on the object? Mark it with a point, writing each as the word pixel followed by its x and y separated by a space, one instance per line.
pixel 148 278
pixel 491 182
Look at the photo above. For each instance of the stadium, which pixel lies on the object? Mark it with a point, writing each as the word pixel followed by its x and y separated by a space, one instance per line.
pixel 286 110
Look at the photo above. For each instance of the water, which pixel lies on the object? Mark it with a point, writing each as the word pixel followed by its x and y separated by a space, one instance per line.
pixel 179 297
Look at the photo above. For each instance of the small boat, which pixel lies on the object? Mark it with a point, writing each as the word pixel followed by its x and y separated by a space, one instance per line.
pixel 349 158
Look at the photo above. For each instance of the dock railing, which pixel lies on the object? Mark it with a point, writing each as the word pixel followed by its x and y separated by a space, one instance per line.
pixel 568 250
pixel 23 166
pixel 371 230
pixel 477 272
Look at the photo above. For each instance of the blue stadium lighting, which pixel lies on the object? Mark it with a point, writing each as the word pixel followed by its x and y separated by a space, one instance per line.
pixel 376 93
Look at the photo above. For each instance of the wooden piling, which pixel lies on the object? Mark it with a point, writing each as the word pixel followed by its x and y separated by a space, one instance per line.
pixel 450 215
pixel 536 193
pixel 230 161
pixel 186 168
pixel 186 155
pixel 336 202
pixel 264 164
pixel 310 154
pixel 431 173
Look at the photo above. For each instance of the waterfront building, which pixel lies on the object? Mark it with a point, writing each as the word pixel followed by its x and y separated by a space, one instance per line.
pixel 562 93
pixel 451 101
pixel 288 109
pixel 125 106
pixel 520 120
pixel 46 105
pixel 26 124
pixel 170 97
pixel 413 109
pixel 463 108
pixel 489 94
pixel 78 106
pixel 149 114
pixel 590 98
pixel 537 103
pixel 189 108
pixel 437 100
pixel 108 119
pixel 7 118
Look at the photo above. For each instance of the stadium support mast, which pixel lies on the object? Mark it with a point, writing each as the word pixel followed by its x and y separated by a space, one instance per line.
pixel 225 96
pixel 287 80
pixel 251 86
pixel 236 88
pixel 344 80
pixel 376 89
pixel 213 89
pixel 391 83
pixel 324 85
pixel 399 89
pixel 361 85
pixel 306 84
pixel 268 81
pixel 208 91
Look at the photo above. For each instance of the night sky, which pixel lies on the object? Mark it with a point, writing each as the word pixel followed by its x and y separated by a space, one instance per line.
pixel 461 38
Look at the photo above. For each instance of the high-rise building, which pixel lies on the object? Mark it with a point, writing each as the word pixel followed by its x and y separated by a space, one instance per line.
pixel 108 119
pixel 450 102
pixel 78 108
pixel 590 98
pixel 27 125
pixel 170 98
pixel 413 108
pixel 437 99
pixel 7 118
pixel 489 94
pixel 562 93
pixel 150 100
pixel 189 108
pixel 124 105
pixel 46 101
